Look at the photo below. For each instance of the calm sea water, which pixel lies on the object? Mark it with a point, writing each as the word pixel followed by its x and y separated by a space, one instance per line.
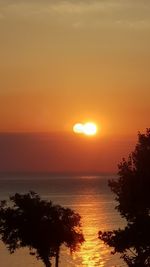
pixel 88 195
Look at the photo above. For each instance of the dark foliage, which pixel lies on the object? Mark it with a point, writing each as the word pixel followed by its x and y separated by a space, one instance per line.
pixel 132 190
pixel 28 221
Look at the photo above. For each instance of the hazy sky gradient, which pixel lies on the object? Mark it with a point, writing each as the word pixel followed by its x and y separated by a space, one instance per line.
pixel 64 61
pixel 69 61
pixel 63 153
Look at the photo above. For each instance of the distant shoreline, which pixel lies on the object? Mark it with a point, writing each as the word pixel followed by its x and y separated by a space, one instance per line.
pixel 50 175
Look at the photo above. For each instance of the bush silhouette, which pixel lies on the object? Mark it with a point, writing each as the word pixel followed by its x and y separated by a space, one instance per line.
pixel 132 190
pixel 28 221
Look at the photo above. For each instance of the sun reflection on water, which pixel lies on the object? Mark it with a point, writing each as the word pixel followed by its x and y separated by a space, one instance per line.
pixel 97 210
pixel 93 252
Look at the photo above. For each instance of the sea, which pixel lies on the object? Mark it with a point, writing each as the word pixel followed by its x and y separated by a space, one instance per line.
pixel 90 196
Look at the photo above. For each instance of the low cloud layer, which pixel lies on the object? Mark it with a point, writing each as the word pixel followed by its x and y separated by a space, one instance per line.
pixel 80 13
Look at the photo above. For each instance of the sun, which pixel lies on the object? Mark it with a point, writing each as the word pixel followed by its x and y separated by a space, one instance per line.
pixel 78 128
pixel 88 128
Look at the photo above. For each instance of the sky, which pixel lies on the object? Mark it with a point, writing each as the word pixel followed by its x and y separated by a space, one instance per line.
pixel 72 61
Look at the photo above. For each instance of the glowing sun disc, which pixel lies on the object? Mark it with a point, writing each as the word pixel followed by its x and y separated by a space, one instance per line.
pixel 78 128
pixel 88 128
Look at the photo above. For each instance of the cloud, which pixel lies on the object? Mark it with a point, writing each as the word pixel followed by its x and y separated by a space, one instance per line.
pixel 72 6
pixel 81 13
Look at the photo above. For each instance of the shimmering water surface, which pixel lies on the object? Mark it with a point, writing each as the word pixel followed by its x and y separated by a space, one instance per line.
pixel 88 195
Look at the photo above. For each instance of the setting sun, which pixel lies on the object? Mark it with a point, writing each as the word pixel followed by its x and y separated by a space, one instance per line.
pixel 88 128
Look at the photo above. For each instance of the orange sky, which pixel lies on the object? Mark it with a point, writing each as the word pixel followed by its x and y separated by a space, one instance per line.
pixel 69 61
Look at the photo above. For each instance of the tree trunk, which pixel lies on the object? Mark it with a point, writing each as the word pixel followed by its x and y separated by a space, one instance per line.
pixel 47 263
pixel 57 257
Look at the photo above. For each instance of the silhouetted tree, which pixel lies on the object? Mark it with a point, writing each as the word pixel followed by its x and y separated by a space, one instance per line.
pixel 28 221
pixel 132 189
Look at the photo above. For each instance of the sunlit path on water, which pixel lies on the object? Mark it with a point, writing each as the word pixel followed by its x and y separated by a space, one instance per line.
pixel 93 251
pixel 97 214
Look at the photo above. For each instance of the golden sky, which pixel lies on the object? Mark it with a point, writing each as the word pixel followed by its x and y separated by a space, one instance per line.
pixel 68 61
pixel 74 60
